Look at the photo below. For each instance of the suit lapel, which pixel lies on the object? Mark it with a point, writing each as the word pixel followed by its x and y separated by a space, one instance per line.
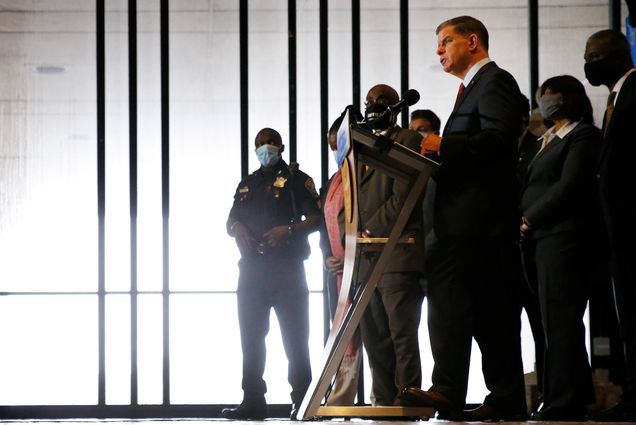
pixel 618 110
pixel 466 92
pixel 554 143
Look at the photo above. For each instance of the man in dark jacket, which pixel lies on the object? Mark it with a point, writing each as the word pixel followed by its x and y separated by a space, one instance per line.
pixel 608 62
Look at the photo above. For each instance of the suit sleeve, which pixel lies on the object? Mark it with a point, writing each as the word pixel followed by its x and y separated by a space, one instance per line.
pixel 378 223
pixel 498 106
pixel 577 170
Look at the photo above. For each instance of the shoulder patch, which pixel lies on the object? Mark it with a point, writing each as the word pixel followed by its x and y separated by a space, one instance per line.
pixel 309 185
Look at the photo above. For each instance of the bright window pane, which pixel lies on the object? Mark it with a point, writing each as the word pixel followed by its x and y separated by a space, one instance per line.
pixel 49 349
pixel 48 219
pixel 117 349
pixel 117 148
pixel 205 350
pixel 205 149
pixel 150 349
pixel 571 24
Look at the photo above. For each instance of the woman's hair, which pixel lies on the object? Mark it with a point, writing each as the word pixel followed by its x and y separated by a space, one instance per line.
pixel 577 104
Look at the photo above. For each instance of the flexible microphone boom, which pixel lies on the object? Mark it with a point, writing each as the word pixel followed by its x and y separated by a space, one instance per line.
pixel 382 120
pixel 409 98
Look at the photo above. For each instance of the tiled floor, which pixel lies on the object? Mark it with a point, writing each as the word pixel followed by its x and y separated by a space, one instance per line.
pixel 218 421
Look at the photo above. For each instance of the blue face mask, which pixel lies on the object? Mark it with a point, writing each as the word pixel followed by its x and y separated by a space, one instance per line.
pixel 268 155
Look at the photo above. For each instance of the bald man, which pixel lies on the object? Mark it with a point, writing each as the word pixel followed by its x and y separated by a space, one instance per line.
pixel 391 321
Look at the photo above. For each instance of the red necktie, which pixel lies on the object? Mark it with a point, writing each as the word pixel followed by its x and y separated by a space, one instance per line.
pixel 609 111
pixel 459 93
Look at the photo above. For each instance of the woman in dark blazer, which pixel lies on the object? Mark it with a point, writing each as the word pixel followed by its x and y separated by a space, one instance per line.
pixel 559 218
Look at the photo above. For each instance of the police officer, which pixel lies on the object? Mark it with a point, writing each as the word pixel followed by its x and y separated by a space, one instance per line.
pixel 267 223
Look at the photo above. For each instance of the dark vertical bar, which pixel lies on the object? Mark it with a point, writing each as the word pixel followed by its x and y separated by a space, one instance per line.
pixel 355 51
pixel 100 49
pixel 293 101
pixel 165 190
pixel 404 56
pixel 132 151
pixel 615 14
pixel 533 41
pixel 324 89
pixel 244 93
pixel 324 128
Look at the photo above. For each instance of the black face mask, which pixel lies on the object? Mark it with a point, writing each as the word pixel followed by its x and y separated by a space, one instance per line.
pixel 378 116
pixel 603 71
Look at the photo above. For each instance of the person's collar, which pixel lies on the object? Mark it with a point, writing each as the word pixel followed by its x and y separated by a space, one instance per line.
pixel 474 69
pixel 562 132
pixel 276 168
pixel 619 83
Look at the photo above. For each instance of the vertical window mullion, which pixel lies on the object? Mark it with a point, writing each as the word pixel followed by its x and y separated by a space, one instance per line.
pixel 293 101
pixel 355 51
pixel 533 37
pixel 132 140
pixel 404 56
pixel 243 40
pixel 101 196
pixel 165 191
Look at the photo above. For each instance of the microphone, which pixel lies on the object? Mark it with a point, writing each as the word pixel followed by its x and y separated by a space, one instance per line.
pixel 409 98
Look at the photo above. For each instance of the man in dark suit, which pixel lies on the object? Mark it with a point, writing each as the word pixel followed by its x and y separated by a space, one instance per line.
pixel 391 321
pixel 472 291
pixel 608 62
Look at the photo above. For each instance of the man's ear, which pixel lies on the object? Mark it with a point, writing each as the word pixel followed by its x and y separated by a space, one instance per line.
pixel 473 41
pixel 282 148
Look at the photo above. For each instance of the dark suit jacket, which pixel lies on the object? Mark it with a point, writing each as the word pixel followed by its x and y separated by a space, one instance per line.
pixel 476 189
pixel 380 200
pixel 616 177
pixel 559 192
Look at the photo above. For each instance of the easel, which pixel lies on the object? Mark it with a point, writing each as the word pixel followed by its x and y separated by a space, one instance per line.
pixel 357 145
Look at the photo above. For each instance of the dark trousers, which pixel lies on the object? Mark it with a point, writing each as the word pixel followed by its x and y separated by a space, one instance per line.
pixel 529 295
pixel 473 293
pixel 389 330
pixel 624 283
pixel 266 283
pixel 564 284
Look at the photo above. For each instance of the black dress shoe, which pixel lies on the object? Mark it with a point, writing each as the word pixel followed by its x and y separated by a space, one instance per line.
pixel 252 408
pixel 293 415
pixel 487 413
pixel 561 414
pixel 621 412
pixel 417 397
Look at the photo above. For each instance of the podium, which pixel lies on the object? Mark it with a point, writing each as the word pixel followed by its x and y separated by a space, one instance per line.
pixel 356 146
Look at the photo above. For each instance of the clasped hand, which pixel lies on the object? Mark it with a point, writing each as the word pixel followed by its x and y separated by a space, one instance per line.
pixel 334 265
pixel 247 243
pixel 276 236
pixel 525 228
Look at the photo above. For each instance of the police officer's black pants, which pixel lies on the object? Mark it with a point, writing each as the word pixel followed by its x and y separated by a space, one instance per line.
pixel 264 283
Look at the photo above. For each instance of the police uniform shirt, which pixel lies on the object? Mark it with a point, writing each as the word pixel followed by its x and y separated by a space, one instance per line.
pixel 263 199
